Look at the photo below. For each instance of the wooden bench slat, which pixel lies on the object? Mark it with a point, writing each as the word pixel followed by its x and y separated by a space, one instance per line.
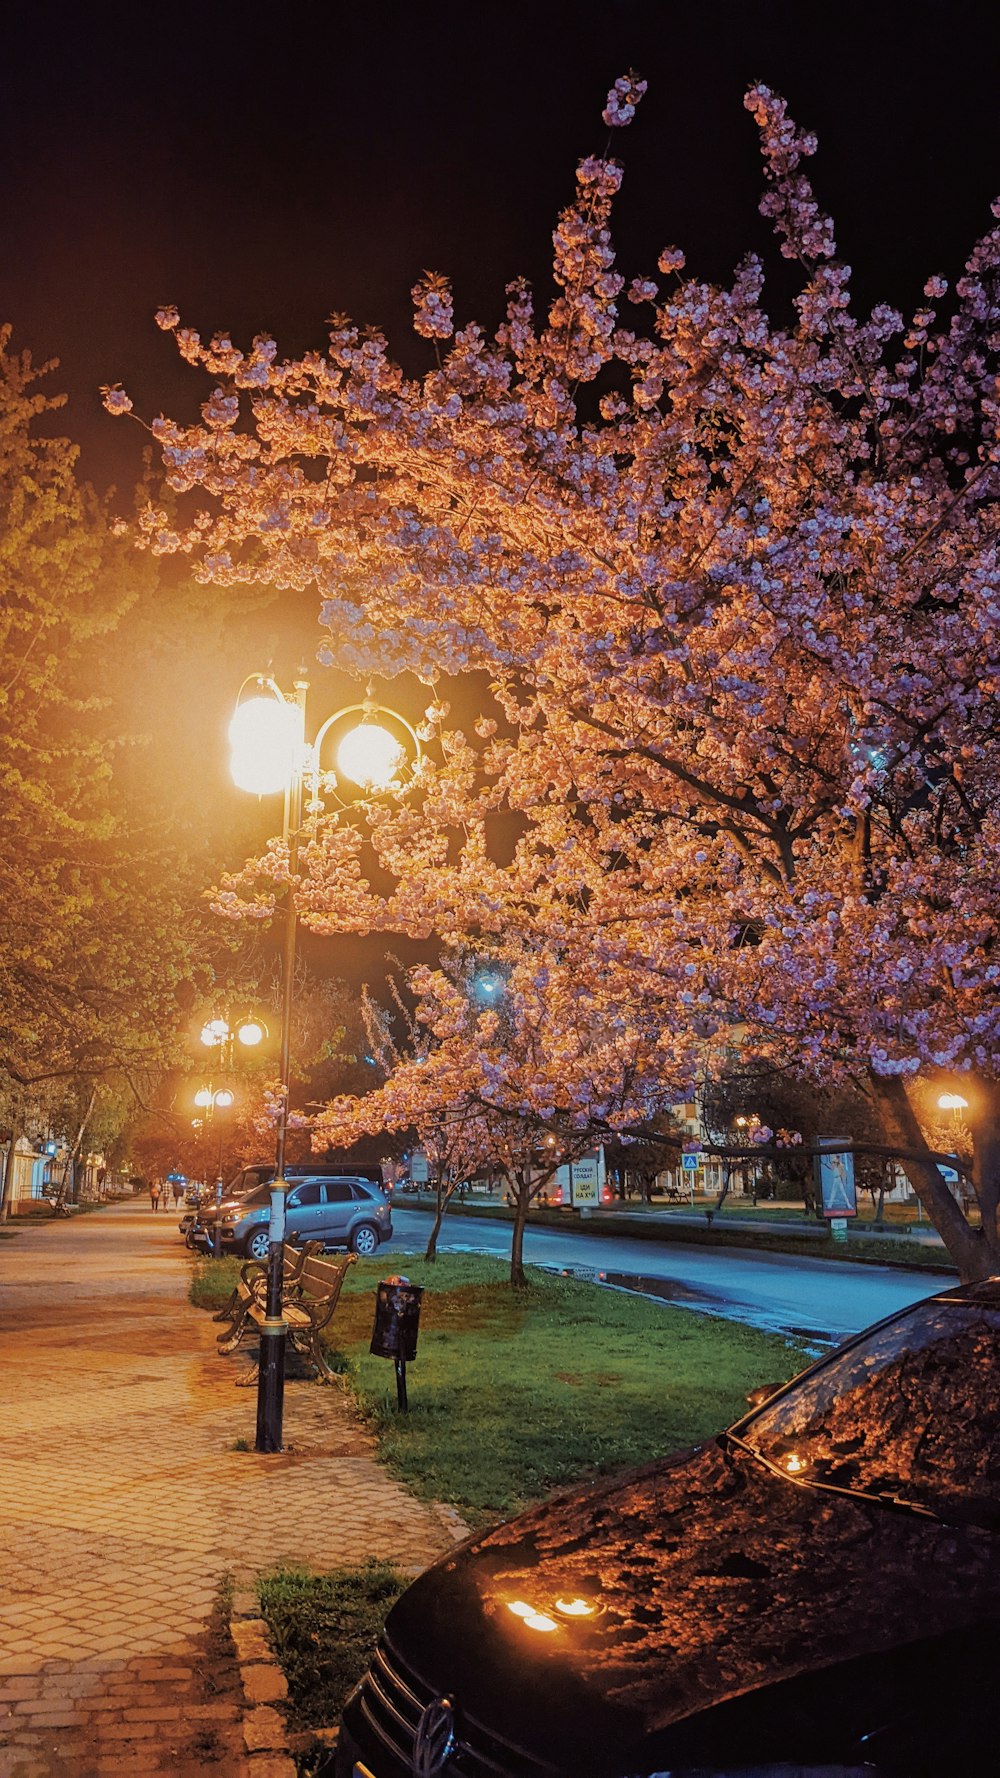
pixel 308 1303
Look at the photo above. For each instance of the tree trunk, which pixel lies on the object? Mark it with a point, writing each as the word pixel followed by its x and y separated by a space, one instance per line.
pixel 522 1198
pixel 8 1169
pixel 976 1252
pixel 984 1122
pixel 430 1251
pixel 727 1179
pixel 16 1131
pixel 74 1151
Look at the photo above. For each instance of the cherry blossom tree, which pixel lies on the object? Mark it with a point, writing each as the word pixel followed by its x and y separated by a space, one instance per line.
pixel 524 1084
pixel 731 581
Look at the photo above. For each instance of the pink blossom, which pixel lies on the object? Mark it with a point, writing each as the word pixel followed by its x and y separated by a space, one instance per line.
pixel 433 305
pixel 623 99
pixel 116 401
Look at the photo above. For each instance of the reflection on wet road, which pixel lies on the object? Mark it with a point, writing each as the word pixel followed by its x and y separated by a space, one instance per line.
pixel 816 1301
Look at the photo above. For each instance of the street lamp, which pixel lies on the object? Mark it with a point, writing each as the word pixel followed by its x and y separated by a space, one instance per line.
pixel 218 1034
pixel 211 1101
pixel 270 754
pixel 953 1102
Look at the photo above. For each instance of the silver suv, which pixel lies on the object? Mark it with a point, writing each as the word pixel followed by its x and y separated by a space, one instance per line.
pixel 340 1211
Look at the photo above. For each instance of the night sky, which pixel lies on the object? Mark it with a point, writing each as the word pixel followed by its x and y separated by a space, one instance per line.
pixel 261 171
pixel 263 174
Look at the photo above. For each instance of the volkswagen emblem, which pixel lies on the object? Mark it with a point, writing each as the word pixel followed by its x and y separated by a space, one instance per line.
pixel 435 1738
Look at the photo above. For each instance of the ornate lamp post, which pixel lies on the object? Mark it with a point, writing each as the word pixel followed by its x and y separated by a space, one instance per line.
pixel 270 754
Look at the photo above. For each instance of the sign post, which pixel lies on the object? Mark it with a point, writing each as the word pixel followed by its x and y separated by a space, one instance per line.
pixel 691 1165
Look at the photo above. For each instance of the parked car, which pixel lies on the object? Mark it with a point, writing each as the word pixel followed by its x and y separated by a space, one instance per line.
pixel 816 1590
pixel 248 1179
pixel 200 1207
pixel 338 1210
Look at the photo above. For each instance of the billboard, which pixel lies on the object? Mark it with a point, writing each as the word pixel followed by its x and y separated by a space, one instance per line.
pixel 582 1180
pixel 836 1178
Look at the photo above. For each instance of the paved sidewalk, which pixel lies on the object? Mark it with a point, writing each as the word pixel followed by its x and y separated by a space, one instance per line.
pixel 124 1504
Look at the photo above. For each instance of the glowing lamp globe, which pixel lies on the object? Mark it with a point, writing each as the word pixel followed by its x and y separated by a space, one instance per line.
pixel 953 1102
pixel 263 736
pixel 203 1096
pixel 216 1031
pixel 251 1033
pixel 370 757
pixel 224 1099
pixel 487 987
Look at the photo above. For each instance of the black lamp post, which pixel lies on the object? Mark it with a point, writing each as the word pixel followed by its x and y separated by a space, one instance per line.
pixel 270 754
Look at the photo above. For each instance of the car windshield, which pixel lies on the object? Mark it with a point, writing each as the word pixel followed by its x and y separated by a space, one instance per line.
pixel 261 1194
pixel 910 1414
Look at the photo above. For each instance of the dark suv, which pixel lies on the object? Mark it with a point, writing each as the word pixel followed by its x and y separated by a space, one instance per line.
pixel 339 1210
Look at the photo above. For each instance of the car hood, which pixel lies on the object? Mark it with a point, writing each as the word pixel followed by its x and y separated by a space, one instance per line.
pixel 710 1577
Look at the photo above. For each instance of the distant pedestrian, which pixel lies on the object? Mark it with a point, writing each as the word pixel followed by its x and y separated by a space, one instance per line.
pixel 154 1194
pixel 177 1192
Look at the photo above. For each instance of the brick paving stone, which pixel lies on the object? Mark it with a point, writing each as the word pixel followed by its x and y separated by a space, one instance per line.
pixel 127 1506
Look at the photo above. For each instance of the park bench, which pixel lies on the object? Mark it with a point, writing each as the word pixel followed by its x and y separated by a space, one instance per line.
pixel 248 1284
pixel 307 1308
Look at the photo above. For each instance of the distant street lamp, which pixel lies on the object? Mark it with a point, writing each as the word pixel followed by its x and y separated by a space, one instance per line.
pixel 212 1101
pixel 953 1102
pixel 488 986
pixel 218 1034
pixel 270 754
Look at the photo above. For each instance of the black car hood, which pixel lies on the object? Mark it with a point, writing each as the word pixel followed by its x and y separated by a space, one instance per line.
pixel 711 1577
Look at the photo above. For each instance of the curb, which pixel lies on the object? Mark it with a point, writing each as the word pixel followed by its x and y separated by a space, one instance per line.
pixel 264 1687
pixel 269 1743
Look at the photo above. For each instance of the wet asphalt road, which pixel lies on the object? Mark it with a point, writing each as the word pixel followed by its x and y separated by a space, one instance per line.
pixel 821 1301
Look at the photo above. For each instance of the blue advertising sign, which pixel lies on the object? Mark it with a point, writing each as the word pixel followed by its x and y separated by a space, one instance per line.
pixel 836 1179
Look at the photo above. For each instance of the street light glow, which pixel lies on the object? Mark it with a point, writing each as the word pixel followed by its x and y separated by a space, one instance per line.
pixel 203 1097
pixel 953 1102
pixel 370 756
pixel 224 1099
pixel 252 1033
pixel 263 735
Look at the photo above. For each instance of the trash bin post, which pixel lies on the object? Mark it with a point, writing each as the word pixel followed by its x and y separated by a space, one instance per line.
pixel 397 1323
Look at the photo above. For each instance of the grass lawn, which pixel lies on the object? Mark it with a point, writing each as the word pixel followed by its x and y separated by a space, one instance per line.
pixel 323 1629
pixel 512 1394
pixel 515 1393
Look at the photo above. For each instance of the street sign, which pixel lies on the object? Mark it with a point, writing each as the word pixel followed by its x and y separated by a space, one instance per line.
pixel 690 1163
pixel 838 1228
pixel 420 1170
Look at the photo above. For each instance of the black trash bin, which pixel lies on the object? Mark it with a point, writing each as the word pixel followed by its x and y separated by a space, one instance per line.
pixel 397 1323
